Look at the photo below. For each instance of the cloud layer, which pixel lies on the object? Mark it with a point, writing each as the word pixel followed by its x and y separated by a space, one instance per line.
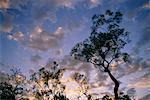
pixel 39 39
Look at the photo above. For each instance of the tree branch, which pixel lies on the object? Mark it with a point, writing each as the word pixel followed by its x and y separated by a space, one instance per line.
pixel 100 64
pixel 110 62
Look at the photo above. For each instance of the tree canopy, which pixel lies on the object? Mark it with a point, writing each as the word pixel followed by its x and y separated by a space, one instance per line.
pixel 105 43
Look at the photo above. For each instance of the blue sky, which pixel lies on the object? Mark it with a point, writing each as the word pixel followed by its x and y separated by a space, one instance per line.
pixel 34 31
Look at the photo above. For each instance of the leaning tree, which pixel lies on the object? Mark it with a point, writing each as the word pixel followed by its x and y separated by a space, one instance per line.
pixel 105 43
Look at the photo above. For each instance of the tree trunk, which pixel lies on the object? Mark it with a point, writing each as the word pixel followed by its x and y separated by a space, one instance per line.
pixel 116 84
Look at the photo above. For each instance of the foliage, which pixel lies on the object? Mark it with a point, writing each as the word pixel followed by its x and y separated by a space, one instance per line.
pixel 60 97
pixel 82 81
pixel 48 85
pixel 122 96
pixel 105 41
pixel 106 97
pixel 7 91
pixel 13 87
pixel 104 44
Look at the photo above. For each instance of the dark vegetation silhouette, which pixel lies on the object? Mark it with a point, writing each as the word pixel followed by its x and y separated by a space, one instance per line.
pixel 103 46
pixel 7 91
pixel 52 88
pixel 45 84
pixel 13 86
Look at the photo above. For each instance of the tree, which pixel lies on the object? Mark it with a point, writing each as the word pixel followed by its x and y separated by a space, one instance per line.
pixel 47 84
pixel 104 45
pixel 12 88
pixel 7 91
pixel 82 81
pixel 121 96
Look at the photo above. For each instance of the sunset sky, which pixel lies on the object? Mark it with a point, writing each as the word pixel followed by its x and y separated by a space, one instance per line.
pixel 33 33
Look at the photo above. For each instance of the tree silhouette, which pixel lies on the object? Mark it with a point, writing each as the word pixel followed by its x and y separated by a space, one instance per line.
pixel 121 96
pixel 13 87
pixel 7 91
pixel 47 84
pixel 103 46
pixel 82 81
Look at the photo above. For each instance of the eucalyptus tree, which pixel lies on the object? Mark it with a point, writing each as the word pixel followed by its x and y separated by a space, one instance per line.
pixel 105 43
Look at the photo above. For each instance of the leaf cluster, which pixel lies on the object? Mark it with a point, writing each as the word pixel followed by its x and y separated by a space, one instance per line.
pixel 106 41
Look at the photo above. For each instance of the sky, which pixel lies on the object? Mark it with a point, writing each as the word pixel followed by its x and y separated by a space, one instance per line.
pixel 35 32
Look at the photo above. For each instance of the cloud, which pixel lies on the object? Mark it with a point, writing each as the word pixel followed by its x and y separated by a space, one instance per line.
pixel 36 58
pixel 42 41
pixel 138 64
pixel 40 14
pixel 145 64
pixel 147 5
pixel 69 61
pixel 6 24
pixel 95 3
pixel 4 4
pixel 38 39
pixel 142 83
pixel 33 12
pixel 53 17
pixel 147 50
pixel 53 3
pixel 88 69
pixel 146 75
pixel 144 39
pixel 73 25
pixel 58 3
pixel 67 3
pixel 145 35
pixel 19 13
pixel 19 36
pixel 57 52
pixel 141 17
pixel 146 97
pixel 46 9
pixel 131 92
pixel 73 66
pixel 76 25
